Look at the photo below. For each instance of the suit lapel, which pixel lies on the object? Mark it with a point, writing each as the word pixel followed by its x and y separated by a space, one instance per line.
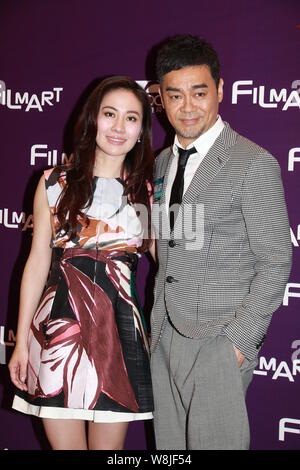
pixel 208 169
pixel 211 164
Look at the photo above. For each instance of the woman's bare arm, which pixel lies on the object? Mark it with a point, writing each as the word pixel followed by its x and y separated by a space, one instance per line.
pixel 33 281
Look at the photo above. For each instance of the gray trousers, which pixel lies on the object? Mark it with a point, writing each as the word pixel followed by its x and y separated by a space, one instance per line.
pixel 199 393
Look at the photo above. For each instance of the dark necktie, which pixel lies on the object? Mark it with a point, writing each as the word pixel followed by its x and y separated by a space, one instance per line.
pixel 178 185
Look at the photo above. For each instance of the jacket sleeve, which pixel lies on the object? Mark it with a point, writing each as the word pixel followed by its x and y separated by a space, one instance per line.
pixel 267 227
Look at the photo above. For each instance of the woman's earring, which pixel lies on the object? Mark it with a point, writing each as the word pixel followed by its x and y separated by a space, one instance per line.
pixel 139 140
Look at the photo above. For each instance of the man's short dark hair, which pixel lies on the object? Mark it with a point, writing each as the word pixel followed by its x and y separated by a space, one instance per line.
pixel 180 51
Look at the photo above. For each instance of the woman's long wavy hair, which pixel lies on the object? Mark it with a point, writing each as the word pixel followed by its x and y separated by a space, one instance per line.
pixel 137 167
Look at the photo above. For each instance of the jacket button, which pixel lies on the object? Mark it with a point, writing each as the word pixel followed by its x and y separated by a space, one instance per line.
pixel 170 279
pixel 172 243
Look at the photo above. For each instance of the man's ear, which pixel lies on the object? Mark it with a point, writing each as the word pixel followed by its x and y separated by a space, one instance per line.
pixel 220 90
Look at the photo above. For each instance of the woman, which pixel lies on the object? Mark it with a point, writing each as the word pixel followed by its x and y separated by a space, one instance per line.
pixel 81 352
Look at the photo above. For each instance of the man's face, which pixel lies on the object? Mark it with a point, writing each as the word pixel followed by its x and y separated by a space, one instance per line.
pixel 191 101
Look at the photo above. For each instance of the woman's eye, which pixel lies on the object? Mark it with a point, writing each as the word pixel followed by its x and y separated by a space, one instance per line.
pixel 132 118
pixel 108 114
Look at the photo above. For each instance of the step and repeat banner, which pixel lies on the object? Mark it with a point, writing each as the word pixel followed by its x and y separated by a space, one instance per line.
pixel 52 54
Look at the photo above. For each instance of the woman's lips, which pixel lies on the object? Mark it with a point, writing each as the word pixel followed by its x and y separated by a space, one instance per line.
pixel 116 140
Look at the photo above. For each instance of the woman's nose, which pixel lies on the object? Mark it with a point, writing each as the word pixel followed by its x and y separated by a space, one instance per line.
pixel 118 125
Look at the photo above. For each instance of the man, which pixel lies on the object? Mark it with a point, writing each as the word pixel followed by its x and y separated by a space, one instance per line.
pixel 214 296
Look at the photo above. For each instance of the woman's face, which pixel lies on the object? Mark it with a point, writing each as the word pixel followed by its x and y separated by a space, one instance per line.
pixel 119 123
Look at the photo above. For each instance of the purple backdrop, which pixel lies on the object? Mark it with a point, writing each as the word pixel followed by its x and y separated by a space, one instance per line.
pixel 51 52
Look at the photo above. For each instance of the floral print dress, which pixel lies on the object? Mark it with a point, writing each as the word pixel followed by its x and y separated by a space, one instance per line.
pixel 88 350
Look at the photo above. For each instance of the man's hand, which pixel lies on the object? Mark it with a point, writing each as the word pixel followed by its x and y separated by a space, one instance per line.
pixel 240 357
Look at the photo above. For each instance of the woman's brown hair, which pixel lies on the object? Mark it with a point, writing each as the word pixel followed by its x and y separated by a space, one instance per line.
pixel 137 167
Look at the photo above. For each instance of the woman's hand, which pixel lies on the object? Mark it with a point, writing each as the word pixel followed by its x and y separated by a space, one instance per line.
pixel 18 367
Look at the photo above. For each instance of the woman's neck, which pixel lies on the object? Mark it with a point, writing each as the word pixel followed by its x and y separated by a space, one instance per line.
pixel 107 166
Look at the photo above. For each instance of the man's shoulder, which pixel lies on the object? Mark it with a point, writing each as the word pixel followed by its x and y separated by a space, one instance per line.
pixel 247 150
pixel 249 145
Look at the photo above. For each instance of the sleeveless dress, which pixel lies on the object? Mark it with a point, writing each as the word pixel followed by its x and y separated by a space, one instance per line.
pixel 88 349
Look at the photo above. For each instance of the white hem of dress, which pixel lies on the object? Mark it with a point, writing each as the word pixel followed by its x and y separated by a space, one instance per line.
pixel 97 416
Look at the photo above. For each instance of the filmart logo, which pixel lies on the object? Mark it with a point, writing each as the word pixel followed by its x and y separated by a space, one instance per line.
pixel 278 370
pixel 28 101
pixel 294 157
pixel 53 157
pixel 295 236
pixel 267 98
pixel 14 220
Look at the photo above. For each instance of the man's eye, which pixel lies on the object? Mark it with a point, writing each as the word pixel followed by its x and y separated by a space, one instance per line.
pixel 175 97
pixel 201 94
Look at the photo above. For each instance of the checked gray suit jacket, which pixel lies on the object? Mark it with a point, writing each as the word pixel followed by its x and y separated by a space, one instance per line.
pixel 236 280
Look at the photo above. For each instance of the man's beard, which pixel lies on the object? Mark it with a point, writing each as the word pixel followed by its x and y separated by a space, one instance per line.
pixel 190 134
